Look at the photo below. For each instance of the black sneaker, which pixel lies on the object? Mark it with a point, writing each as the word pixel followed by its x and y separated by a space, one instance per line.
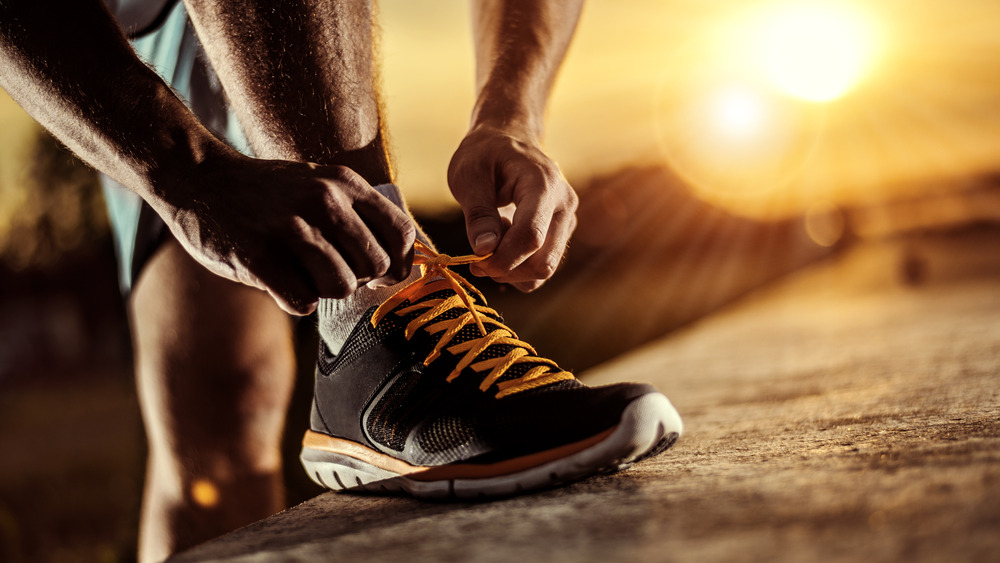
pixel 433 395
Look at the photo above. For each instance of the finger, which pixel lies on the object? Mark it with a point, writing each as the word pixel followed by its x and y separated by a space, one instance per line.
pixel 350 239
pixel 471 182
pixel 391 227
pixel 299 309
pixel 393 230
pixel 397 277
pixel 287 282
pixel 506 214
pixel 543 263
pixel 527 234
pixel 483 223
pixel 528 287
pixel 330 273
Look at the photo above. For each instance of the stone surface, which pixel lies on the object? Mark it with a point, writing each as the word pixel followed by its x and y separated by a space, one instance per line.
pixel 849 413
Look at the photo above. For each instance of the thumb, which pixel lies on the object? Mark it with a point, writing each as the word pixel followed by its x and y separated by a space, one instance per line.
pixel 482 223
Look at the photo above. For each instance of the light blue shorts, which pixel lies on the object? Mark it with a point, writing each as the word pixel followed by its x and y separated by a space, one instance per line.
pixel 174 52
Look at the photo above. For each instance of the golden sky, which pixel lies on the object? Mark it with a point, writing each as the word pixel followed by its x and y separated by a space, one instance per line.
pixel 676 81
pixel 923 111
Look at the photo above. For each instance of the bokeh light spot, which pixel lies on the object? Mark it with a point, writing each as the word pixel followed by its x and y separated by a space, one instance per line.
pixel 825 223
pixel 205 493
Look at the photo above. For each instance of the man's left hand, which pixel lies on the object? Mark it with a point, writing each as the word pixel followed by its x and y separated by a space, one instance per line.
pixel 517 205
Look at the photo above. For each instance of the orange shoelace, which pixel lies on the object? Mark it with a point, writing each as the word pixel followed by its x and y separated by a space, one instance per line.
pixel 436 276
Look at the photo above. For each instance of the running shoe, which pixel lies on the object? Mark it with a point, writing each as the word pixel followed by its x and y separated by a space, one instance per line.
pixel 434 396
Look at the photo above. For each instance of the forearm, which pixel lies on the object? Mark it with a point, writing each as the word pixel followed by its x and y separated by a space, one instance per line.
pixel 74 72
pixel 519 47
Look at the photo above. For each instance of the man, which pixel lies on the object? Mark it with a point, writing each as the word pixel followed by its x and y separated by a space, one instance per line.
pixel 420 387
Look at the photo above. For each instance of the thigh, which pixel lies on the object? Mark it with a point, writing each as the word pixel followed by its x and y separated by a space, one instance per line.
pixel 214 365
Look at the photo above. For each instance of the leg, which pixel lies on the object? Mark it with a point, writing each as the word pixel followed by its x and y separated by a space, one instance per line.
pixel 300 76
pixel 312 99
pixel 214 368
pixel 215 359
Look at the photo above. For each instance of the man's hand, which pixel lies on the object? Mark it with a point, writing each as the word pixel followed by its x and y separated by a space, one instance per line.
pixel 495 168
pixel 299 231
pixel 499 172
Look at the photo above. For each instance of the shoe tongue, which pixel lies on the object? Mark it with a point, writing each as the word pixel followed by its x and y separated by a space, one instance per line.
pixel 441 289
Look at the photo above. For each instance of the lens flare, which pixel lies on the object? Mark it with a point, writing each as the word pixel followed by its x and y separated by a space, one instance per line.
pixel 738 113
pixel 813 51
pixel 730 138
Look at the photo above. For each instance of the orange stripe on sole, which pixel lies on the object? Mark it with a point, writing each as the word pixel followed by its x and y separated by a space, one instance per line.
pixel 318 441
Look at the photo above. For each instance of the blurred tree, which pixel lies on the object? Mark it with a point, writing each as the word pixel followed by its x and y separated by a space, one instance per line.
pixel 60 208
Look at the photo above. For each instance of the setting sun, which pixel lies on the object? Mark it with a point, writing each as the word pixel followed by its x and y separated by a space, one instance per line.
pixel 738 113
pixel 813 51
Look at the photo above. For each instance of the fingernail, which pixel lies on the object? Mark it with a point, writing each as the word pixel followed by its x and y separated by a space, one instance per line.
pixel 485 243
pixel 476 270
pixel 384 281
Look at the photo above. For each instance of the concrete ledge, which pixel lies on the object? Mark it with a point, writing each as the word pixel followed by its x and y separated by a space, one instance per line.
pixel 851 413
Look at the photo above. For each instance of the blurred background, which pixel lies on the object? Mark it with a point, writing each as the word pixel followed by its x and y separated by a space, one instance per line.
pixel 716 146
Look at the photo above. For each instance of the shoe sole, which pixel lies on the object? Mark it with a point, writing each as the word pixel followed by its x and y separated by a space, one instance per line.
pixel 648 426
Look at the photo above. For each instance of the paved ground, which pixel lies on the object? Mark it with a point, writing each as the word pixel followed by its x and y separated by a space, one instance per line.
pixel 850 413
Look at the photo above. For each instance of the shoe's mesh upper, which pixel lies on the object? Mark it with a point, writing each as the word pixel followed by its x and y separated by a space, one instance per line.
pixel 446 433
pixel 429 421
pixel 362 341
pixel 431 413
pixel 389 423
pixel 398 410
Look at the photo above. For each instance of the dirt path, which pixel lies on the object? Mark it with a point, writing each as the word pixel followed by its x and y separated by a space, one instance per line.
pixel 851 413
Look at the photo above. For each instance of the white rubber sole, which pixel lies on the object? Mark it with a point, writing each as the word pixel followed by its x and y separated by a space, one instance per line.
pixel 648 426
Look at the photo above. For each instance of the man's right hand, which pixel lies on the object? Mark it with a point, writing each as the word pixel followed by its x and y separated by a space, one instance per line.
pixel 299 231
